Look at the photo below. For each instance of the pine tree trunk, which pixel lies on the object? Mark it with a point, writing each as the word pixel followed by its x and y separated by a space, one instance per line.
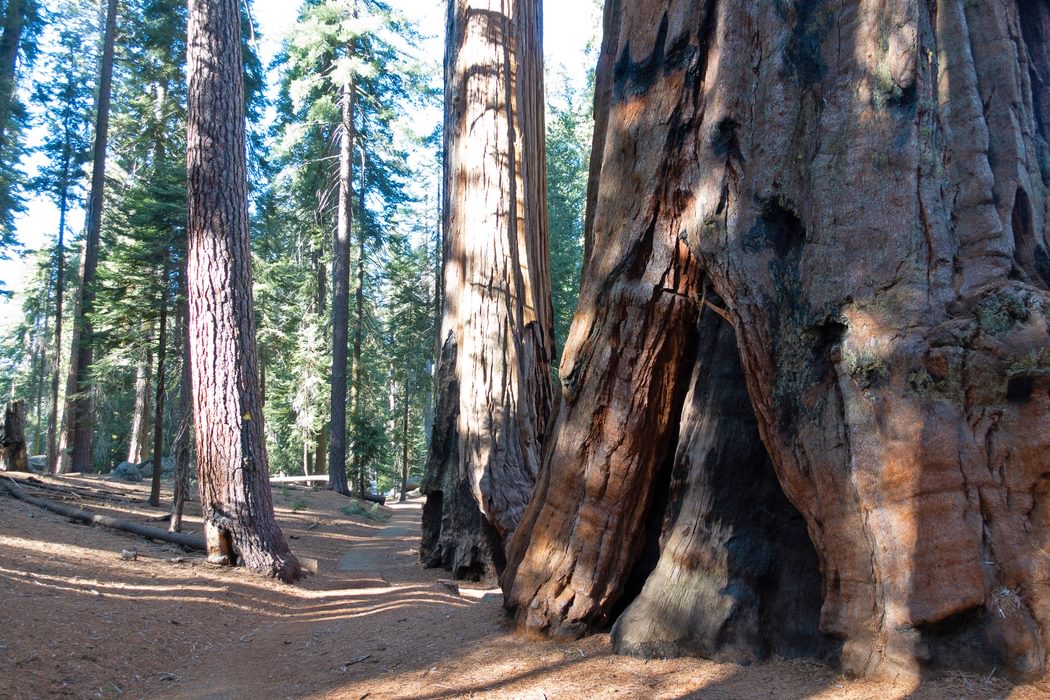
pixel 142 418
pixel 233 469
pixel 341 298
pixel 359 328
pixel 865 190
pixel 14 23
pixel 158 419
pixel 180 445
pixel 67 429
pixel 320 453
pixel 60 291
pixel 493 376
pixel 404 450
pixel 83 418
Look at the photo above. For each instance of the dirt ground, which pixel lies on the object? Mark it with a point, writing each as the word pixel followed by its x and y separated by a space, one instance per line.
pixel 77 620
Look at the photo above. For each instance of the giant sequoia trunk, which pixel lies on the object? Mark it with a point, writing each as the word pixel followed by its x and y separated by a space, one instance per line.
pixel 232 463
pixel 493 384
pixel 860 192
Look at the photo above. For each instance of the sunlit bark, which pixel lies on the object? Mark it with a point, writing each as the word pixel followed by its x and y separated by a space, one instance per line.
pixel 861 193
pixel 233 469
pixel 493 386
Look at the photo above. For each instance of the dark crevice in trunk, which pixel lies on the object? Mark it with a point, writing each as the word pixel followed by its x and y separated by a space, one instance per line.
pixel 456 535
pixel 665 503
pixel 737 578
pixel 970 640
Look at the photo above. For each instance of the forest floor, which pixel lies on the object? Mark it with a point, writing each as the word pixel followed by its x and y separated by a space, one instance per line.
pixel 77 620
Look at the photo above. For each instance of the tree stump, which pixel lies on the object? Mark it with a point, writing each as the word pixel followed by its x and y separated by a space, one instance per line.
pixel 13 452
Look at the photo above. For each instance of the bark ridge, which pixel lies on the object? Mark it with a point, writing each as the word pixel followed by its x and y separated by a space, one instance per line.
pixel 863 189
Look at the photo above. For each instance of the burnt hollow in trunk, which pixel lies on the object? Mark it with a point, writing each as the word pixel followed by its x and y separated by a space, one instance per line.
pixel 737 577
pixel 456 535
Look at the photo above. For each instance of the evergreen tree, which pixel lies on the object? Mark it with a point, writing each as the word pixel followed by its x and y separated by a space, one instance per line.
pixel 64 98
pixel 22 23
pixel 343 83
pixel 569 125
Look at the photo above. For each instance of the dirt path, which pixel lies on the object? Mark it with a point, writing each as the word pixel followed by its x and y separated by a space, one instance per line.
pixel 80 622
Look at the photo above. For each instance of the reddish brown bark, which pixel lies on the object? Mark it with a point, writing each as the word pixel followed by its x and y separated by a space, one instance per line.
pixel 493 386
pixel 231 451
pixel 862 186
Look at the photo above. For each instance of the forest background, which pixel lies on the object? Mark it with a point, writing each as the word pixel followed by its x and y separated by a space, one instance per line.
pixel 292 171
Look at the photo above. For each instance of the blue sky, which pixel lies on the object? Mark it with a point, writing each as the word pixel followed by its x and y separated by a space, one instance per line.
pixel 566 29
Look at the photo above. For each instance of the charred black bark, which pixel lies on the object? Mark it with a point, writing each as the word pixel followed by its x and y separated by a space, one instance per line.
pixel 737 577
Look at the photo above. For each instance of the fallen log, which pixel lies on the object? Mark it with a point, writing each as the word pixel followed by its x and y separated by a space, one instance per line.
pixel 86 516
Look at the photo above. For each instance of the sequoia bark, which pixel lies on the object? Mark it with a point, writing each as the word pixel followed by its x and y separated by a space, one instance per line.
pixel 493 382
pixel 865 186
pixel 231 450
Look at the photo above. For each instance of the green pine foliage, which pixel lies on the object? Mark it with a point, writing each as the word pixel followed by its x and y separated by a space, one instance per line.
pixel 569 128
pixel 293 172
pixel 13 148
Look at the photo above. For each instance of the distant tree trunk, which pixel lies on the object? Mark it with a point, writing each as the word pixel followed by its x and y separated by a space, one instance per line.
pixel 320 453
pixel 404 450
pixel 233 470
pixel 158 419
pixel 83 418
pixel 180 445
pixel 862 197
pixel 13 455
pixel 142 418
pixel 60 292
pixel 439 287
pixel 359 328
pixel 39 443
pixel 493 376
pixel 14 23
pixel 341 297
pixel 67 427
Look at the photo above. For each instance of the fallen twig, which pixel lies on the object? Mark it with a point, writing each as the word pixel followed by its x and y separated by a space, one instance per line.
pixel 350 663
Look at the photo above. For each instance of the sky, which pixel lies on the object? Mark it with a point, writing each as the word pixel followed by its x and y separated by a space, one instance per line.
pixel 567 26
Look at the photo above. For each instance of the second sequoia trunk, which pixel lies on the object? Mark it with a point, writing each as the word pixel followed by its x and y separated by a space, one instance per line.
pixel 864 188
pixel 494 392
